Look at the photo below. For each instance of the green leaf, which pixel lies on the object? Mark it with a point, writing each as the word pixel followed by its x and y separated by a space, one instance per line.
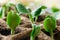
pixel 55 9
pixel 49 23
pixel 38 11
pixel 21 8
pixel 35 31
pixel 1 12
pixel 43 7
pixel 13 20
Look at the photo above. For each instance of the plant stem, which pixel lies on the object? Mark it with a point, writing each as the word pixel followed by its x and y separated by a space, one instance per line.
pixel 36 19
pixel 30 17
pixel 32 38
pixel 12 31
pixel 52 35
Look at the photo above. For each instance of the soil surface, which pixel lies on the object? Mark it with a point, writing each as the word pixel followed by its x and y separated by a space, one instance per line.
pixel 23 31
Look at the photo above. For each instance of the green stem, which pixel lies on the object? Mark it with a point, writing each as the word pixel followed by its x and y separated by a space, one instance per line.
pixel 32 38
pixel 36 19
pixel 52 35
pixel 12 31
pixel 30 17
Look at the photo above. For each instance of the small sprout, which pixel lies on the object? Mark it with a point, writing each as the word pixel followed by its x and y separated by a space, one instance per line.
pixel 13 20
pixel 31 18
pixel 34 14
pixel 35 31
pixel 55 9
pixel 21 8
pixel 37 12
pixel 1 12
pixel 50 25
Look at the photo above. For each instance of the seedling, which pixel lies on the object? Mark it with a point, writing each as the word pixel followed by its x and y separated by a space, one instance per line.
pixel 37 12
pixel 35 31
pixel 22 9
pixel 13 20
pixel 1 12
pixel 50 25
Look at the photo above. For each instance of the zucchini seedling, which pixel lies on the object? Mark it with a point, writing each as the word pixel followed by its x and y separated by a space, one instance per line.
pixel 35 31
pixel 13 20
pixel 34 14
pixel 37 12
pixel 50 25
pixel 22 10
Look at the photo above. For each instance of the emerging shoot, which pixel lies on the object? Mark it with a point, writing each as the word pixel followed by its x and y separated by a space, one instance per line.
pixel 22 10
pixel 50 25
pixel 35 31
pixel 13 20
pixel 37 12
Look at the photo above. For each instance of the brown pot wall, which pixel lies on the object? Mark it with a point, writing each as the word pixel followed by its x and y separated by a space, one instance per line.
pixel 25 32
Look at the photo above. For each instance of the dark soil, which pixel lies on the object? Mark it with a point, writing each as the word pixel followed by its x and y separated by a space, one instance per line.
pixel 41 18
pixel 7 31
pixel 20 33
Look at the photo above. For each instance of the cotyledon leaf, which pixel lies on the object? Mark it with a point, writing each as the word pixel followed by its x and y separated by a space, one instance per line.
pixel 38 11
pixel 49 23
pixel 13 19
pixel 21 8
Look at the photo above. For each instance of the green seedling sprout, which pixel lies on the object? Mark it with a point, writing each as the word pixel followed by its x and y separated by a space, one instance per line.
pixel 1 12
pixel 50 25
pixel 35 31
pixel 37 12
pixel 22 9
pixel 13 20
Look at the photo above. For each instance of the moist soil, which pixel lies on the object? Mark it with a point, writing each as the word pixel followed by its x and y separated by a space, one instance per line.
pixel 23 29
